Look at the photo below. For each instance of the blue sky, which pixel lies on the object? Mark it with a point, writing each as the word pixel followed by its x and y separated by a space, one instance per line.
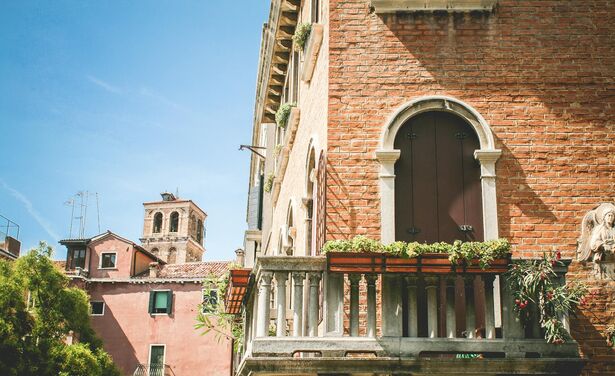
pixel 127 99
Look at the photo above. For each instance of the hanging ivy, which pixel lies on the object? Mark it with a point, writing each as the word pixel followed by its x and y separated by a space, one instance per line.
pixel 302 33
pixel 283 113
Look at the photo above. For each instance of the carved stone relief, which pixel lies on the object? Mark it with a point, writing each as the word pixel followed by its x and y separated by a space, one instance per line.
pixel 597 241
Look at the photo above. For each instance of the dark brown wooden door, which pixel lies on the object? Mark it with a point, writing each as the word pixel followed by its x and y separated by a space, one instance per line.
pixel 437 180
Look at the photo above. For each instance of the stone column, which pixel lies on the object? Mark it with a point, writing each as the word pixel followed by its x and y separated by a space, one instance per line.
pixel 413 327
pixel 487 159
pixel 354 304
pixel 489 307
pixel 298 279
pixel 371 304
pixel 313 304
pixel 391 306
pixel 334 304
pixel 432 306
pixel 468 282
pixel 264 293
pixel 512 328
pixel 387 159
pixel 451 321
pixel 280 280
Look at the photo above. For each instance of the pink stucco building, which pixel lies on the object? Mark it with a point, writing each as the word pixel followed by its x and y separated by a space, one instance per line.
pixel 144 309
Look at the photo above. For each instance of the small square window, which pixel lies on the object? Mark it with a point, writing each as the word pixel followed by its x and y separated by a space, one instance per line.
pixel 97 308
pixel 210 301
pixel 107 260
pixel 160 302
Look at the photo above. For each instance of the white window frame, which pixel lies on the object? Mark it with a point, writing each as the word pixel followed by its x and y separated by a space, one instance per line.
pixel 149 355
pixel 101 260
pixel 103 310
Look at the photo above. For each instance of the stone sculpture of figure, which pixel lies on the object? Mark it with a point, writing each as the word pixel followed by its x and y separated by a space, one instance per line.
pixel 597 233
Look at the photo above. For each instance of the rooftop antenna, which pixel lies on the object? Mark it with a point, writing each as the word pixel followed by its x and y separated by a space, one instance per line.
pixel 98 212
pixel 81 201
pixel 176 192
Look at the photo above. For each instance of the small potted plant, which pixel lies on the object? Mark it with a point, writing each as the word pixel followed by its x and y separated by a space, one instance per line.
pixel 283 113
pixel 302 33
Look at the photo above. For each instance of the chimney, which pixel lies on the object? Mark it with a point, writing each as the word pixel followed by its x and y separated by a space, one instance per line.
pixel 240 256
pixel 153 269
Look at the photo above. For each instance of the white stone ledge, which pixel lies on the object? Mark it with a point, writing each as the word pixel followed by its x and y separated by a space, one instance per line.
pixel 311 52
pixel 391 6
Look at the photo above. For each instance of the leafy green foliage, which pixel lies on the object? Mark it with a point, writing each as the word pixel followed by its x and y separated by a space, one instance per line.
pixel 536 288
pixel 458 252
pixel 302 33
pixel 609 333
pixel 38 310
pixel 268 183
pixel 212 316
pixel 282 114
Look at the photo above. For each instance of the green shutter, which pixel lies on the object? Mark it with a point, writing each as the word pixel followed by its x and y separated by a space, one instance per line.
pixel 169 301
pixel 151 302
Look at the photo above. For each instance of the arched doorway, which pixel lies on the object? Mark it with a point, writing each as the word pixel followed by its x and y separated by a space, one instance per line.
pixel 437 180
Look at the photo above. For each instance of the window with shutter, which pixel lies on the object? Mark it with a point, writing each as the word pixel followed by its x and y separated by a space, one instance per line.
pixel 161 302
pixel 437 180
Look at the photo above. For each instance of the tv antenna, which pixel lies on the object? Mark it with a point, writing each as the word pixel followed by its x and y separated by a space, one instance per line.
pixel 79 202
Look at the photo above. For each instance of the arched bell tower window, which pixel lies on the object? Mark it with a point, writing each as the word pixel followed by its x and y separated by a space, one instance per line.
pixel 174 222
pixel 437 173
pixel 157 223
pixel 437 180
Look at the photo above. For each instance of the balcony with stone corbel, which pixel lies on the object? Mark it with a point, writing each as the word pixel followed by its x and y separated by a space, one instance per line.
pixel 397 319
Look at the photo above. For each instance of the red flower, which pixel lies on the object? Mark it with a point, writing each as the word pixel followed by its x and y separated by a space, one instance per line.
pixel 558 255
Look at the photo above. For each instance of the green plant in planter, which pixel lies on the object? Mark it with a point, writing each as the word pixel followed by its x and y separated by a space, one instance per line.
pixel 534 283
pixel 268 183
pixel 212 316
pixel 458 252
pixel 282 114
pixel 302 33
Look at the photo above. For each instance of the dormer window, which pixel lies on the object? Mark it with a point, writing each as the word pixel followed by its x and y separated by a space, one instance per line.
pixel 174 222
pixel 157 223
pixel 77 259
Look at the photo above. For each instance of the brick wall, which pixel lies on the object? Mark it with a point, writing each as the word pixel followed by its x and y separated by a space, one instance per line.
pixel 542 73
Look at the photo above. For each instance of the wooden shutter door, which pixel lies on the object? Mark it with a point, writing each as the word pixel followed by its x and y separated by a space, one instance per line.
pixel 437 184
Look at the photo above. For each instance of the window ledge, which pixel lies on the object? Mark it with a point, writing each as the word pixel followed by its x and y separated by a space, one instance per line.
pixel 391 6
pixel 107 268
pixel 311 52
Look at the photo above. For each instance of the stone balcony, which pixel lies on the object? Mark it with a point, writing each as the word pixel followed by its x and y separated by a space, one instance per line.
pixel 324 322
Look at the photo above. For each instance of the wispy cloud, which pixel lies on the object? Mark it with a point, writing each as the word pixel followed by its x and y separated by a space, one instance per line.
pixel 161 98
pixel 31 210
pixel 104 85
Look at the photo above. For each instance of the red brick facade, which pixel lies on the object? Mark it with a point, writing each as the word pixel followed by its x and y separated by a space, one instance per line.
pixel 542 74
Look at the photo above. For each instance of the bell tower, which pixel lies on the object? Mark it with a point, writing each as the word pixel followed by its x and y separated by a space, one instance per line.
pixel 174 229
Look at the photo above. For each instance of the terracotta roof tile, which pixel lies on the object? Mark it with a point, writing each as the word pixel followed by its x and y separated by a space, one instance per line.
pixel 60 264
pixel 194 269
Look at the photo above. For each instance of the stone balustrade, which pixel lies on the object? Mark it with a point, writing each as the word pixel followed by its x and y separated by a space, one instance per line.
pixel 327 315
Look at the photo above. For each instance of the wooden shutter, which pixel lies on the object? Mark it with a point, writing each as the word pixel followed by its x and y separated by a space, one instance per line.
pixel 437 184
pixel 169 301
pixel 152 295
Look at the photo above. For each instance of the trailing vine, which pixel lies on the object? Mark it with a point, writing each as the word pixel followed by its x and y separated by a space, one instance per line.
pixel 534 284
pixel 283 113
pixel 302 33
pixel 212 316
pixel 457 252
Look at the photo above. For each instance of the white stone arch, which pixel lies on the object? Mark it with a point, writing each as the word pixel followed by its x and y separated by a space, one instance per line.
pixel 387 155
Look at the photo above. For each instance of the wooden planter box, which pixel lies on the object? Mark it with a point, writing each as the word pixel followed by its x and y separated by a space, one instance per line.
pixel 428 263
pixel 237 288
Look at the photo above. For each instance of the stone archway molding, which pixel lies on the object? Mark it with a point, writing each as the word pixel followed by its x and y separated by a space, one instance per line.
pixel 387 155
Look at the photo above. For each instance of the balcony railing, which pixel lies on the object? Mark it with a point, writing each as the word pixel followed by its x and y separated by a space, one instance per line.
pixel 153 370
pixel 389 319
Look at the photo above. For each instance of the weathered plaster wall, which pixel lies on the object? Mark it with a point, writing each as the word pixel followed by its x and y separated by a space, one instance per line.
pixel 128 330
pixel 123 259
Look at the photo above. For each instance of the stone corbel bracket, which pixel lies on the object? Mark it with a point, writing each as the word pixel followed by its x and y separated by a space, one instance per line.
pixel 311 52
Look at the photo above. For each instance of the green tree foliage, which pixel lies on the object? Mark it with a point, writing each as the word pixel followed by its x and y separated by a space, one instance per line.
pixel 38 310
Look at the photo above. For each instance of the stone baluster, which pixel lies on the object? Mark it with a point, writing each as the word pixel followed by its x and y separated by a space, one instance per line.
pixel 391 306
pixel 413 327
pixel 489 307
pixel 313 304
pixel 298 279
pixel 371 304
pixel 280 280
pixel 451 319
pixel 354 304
pixel 264 294
pixel 470 307
pixel 432 306
pixel 511 323
pixel 334 304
